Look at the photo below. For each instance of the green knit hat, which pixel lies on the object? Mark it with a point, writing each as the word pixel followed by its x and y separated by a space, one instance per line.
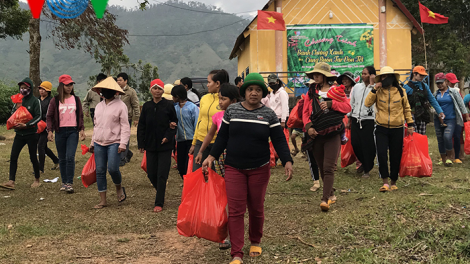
pixel 254 78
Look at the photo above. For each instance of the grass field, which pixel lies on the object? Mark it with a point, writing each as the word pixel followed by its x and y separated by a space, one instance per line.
pixel 425 221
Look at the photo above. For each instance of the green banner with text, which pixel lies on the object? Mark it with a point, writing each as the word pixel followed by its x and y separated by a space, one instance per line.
pixel 348 47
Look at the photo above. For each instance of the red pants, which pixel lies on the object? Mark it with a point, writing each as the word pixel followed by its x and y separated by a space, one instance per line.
pixel 245 187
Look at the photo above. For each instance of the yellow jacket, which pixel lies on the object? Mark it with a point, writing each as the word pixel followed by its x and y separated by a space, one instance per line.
pixel 209 105
pixel 392 109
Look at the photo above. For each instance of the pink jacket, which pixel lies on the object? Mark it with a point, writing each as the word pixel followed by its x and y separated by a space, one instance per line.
pixel 342 107
pixel 111 124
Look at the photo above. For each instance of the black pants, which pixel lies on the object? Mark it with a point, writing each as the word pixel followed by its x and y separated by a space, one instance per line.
pixel 389 139
pixel 183 150
pixel 158 168
pixel 313 164
pixel 43 150
pixel 362 141
pixel 18 143
pixel 92 114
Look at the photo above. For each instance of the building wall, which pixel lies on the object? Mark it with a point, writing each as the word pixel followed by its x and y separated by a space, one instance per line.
pixel 344 12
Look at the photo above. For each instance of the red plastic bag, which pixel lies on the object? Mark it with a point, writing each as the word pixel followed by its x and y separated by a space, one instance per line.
pixel 467 138
pixel 202 211
pixel 295 121
pixel 287 135
pixel 84 148
pixel 347 153
pixel 21 115
pixel 190 164
pixel 89 172
pixel 143 164
pixel 273 155
pixel 415 160
pixel 41 126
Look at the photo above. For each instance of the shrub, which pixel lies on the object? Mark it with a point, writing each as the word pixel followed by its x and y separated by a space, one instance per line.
pixel 5 102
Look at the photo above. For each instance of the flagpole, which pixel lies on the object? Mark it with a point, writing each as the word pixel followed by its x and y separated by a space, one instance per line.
pixel 425 53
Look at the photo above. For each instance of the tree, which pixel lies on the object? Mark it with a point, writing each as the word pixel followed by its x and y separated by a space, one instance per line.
pixel 92 35
pixel 447 44
pixel 12 22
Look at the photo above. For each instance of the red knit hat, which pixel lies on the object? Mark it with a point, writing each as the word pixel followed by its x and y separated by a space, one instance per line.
pixel 337 93
pixel 157 82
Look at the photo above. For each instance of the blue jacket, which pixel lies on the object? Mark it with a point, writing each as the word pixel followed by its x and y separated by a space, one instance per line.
pixel 187 121
pixel 431 98
pixel 466 100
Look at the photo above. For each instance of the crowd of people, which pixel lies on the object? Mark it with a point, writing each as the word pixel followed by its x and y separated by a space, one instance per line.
pixel 232 127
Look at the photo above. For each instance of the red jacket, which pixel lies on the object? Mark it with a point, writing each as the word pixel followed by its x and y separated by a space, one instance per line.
pixel 342 107
pixel 52 117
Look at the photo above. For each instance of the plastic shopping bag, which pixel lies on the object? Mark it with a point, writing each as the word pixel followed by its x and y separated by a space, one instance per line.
pixel 143 164
pixel 21 115
pixel 41 126
pixel 415 160
pixel 202 211
pixel 190 164
pixel 273 155
pixel 89 172
pixel 347 153
pixel 467 138
pixel 287 135
pixel 295 121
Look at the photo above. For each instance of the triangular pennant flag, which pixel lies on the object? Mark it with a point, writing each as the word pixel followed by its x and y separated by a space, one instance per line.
pixel 99 6
pixel 36 7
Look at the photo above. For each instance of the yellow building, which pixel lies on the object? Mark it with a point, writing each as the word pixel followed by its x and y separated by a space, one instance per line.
pixel 390 25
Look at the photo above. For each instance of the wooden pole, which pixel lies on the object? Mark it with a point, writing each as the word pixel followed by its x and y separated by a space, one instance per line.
pixel 425 53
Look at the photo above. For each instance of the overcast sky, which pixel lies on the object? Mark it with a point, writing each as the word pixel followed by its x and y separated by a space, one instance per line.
pixel 229 6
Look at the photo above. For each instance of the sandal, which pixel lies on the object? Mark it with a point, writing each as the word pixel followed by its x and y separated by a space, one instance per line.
pixel 100 206
pixel 236 261
pixel 7 186
pixel 63 187
pixel 255 251
pixel 120 199
pixel 295 152
pixel 157 209
pixel 225 245
pixel 393 188
pixel 384 188
pixel 325 207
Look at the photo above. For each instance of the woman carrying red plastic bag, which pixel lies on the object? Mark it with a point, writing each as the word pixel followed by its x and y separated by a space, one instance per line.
pixel 25 131
pixel 247 169
pixel 110 138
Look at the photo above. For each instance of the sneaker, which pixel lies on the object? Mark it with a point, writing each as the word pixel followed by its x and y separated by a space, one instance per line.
pixel 458 161
pixel 69 188
pixel 448 163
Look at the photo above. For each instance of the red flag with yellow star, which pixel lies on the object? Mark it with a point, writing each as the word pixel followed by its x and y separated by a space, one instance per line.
pixel 428 16
pixel 269 20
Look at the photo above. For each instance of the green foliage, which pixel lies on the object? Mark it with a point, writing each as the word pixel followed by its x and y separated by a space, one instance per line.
pixel 447 44
pixel 5 102
pixel 13 19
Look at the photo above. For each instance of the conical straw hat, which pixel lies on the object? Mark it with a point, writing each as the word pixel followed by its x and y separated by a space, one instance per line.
pixel 109 83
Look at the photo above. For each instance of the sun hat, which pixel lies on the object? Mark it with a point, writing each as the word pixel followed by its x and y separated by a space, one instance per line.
pixel 322 68
pixel 337 93
pixel 65 79
pixel 167 91
pixel 46 86
pixel 110 84
pixel 157 82
pixel 272 78
pixel 177 82
pixel 387 70
pixel 420 69
pixel 451 78
pixel 254 78
pixel 348 75
pixel 440 77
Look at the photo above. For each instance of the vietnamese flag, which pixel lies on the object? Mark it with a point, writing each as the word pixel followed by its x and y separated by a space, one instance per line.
pixel 428 16
pixel 270 20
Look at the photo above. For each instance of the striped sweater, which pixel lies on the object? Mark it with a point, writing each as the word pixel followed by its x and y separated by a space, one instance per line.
pixel 245 134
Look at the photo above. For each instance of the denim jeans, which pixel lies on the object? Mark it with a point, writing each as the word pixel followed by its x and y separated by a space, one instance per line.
pixel 107 156
pixel 125 156
pixel 444 134
pixel 66 141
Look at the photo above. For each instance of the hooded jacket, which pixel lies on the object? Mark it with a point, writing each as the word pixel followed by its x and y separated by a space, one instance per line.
pixel 187 121
pixel 33 106
pixel 358 96
pixel 392 109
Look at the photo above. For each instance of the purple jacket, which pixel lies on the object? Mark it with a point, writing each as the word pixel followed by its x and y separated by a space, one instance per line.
pixel 52 117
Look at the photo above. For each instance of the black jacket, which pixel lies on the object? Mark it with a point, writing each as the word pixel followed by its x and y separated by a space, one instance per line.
pixel 154 125
pixel 44 106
